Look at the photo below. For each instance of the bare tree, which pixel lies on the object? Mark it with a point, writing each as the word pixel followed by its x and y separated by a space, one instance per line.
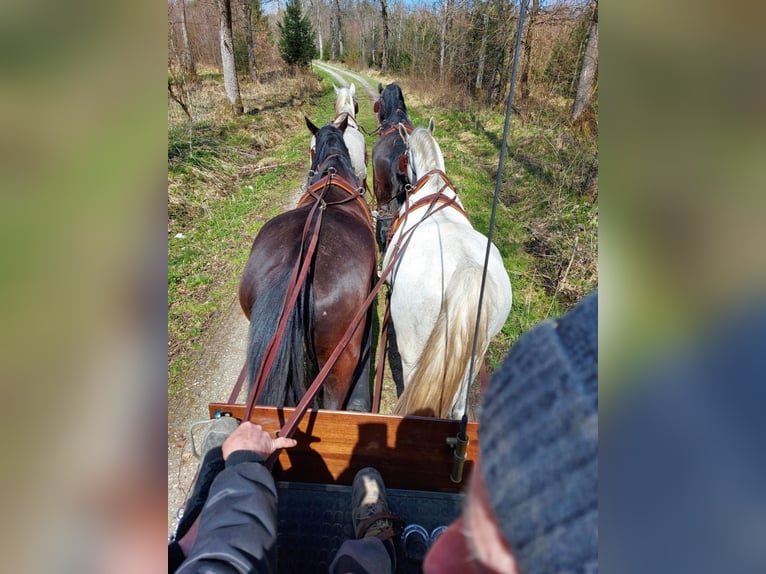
pixel 188 59
pixel 482 54
pixel 372 48
pixel 588 69
pixel 316 7
pixel 524 81
pixel 336 48
pixel 384 55
pixel 230 81
pixel 247 7
pixel 446 13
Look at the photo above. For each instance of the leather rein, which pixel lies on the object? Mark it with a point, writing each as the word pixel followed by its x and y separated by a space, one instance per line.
pixel 430 199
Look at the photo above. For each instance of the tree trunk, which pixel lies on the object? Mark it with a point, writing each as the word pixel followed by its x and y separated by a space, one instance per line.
pixel 384 55
pixel 588 69
pixel 188 59
pixel 443 46
pixel 482 55
pixel 363 62
pixel 336 50
pixel 524 81
pixel 372 49
pixel 230 81
pixel 248 9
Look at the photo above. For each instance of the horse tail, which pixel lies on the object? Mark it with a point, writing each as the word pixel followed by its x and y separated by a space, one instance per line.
pixel 446 357
pixel 295 360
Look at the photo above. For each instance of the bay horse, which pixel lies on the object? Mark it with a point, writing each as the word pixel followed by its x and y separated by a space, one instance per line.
pixel 435 286
pixel 340 274
pixel 388 178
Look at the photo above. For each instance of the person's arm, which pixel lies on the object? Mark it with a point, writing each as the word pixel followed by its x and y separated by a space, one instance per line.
pixel 238 524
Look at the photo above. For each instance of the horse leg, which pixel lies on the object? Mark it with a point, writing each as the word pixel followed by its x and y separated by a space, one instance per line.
pixel 339 380
pixel 359 399
pixel 395 359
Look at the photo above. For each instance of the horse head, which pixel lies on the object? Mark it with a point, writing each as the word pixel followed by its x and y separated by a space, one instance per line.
pixel 345 100
pixel 390 106
pixel 328 150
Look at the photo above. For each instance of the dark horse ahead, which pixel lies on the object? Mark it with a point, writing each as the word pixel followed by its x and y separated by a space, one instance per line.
pixel 389 177
pixel 339 275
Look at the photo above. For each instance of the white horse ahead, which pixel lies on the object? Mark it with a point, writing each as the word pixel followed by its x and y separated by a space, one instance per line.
pixel 346 105
pixel 435 286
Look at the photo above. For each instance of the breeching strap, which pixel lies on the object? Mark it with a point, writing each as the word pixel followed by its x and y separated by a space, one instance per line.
pixel 378 388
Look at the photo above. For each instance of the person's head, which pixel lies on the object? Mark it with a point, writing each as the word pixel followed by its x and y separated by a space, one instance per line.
pixel 532 502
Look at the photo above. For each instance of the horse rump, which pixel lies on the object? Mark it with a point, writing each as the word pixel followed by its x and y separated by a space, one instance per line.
pixel 295 363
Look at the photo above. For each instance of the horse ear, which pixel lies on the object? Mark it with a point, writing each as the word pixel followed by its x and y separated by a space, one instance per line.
pixel 376 106
pixel 352 89
pixel 334 87
pixel 403 163
pixel 312 128
pixel 403 132
pixel 431 126
pixel 380 88
pixel 344 124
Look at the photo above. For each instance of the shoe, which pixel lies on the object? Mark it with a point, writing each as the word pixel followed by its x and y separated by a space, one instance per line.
pixel 218 431
pixel 369 510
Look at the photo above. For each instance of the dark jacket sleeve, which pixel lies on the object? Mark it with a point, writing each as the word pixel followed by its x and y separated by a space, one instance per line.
pixel 238 525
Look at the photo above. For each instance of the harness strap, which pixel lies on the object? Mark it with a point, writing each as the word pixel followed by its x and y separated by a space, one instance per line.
pixel 238 385
pixel 316 192
pixel 392 128
pixel 430 199
pixel 351 120
pixel 378 387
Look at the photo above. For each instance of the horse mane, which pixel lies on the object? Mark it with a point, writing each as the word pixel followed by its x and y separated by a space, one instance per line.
pixel 392 102
pixel 425 151
pixel 329 142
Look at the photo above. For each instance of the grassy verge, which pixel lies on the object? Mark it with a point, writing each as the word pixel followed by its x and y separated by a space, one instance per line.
pixel 226 178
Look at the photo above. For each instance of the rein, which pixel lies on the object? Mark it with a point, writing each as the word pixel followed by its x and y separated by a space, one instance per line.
pixel 429 200
pixel 380 132
pixel 294 285
pixel 289 427
pixel 351 120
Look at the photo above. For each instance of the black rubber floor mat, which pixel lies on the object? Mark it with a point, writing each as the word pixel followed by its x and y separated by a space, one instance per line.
pixel 314 520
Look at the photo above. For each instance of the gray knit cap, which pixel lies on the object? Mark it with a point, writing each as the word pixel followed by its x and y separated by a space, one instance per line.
pixel 539 444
